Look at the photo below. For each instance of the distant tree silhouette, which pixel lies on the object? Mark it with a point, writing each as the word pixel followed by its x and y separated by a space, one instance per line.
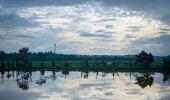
pixel 166 61
pixel 22 59
pixel 103 63
pixel 2 65
pixel 66 64
pixel 53 63
pixel 145 58
pixel 42 65
pixel 13 65
pixel 41 55
pixel 86 63
pixel 2 55
pixel 8 65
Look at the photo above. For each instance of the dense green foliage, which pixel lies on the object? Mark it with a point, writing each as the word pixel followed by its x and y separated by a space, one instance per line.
pixel 26 59
pixel 22 59
pixel 145 58
pixel 49 56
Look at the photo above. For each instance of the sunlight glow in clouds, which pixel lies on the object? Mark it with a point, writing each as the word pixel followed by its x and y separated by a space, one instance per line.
pixel 88 28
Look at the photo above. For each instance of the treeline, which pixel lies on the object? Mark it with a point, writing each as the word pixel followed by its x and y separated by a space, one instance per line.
pixel 24 58
pixel 46 56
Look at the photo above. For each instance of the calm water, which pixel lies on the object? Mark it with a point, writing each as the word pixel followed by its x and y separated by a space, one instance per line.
pixel 74 85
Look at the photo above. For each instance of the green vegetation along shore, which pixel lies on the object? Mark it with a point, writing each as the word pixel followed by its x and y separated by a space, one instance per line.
pixel 27 60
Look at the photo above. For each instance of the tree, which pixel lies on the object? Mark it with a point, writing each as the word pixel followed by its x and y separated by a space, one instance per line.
pixel 103 63
pixel 2 65
pixel 145 58
pixel 42 65
pixel 166 76
pixel 166 62
pixel 23 58
pixel 2 56
pixel 66 64
pixel 41 56
pixel 53 63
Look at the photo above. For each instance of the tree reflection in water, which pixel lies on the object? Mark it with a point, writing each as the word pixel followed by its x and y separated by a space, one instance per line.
pixel 54 75
pixel 42 80
pixel 145 80
pixel 8 75
pixel 24 78
pixel 166 76
pixel 84 74
pixel 2 75
pixel 65 72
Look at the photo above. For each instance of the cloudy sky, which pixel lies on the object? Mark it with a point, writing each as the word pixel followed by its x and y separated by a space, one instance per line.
pixel 86 26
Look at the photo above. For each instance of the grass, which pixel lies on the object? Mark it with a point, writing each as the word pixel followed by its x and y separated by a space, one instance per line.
pixel 91 65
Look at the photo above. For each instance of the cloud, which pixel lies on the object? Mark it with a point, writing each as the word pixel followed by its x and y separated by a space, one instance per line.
pixel 134 28
pixel 109 26
pixel 23 36
pixel 11 36
pixel 13 21
pixel 165 29
pixel 157 45
pixel 35 3
pixel 103 35
pixel 77 24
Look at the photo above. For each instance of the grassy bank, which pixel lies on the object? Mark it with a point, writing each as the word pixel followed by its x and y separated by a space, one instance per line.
pixel 90 65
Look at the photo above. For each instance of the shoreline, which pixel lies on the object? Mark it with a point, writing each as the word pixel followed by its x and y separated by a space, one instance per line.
pixel 93 69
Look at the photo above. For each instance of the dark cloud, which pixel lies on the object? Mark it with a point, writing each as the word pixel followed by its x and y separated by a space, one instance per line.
pixel 130 36
pixel 165 29
pixel 14 36
pixel 166 18
pixel 109 26
pixel 163 32
pixel 139 5
pixel 85 34
pixel 134 28
pixel 150 8
pixel 12 21
pixel 104 32
pixel 33 3
pixel 23 36
pixel 162 40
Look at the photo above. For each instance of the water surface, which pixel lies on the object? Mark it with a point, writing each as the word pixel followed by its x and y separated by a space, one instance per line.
pixel 74 85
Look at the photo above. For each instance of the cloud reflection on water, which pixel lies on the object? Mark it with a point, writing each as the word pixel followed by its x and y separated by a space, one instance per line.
pixel 73 86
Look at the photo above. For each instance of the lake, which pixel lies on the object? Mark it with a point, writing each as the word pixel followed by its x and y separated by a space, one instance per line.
pixel 84 85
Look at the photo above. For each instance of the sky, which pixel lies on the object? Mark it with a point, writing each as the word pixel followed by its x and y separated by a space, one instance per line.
pixel 92 27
